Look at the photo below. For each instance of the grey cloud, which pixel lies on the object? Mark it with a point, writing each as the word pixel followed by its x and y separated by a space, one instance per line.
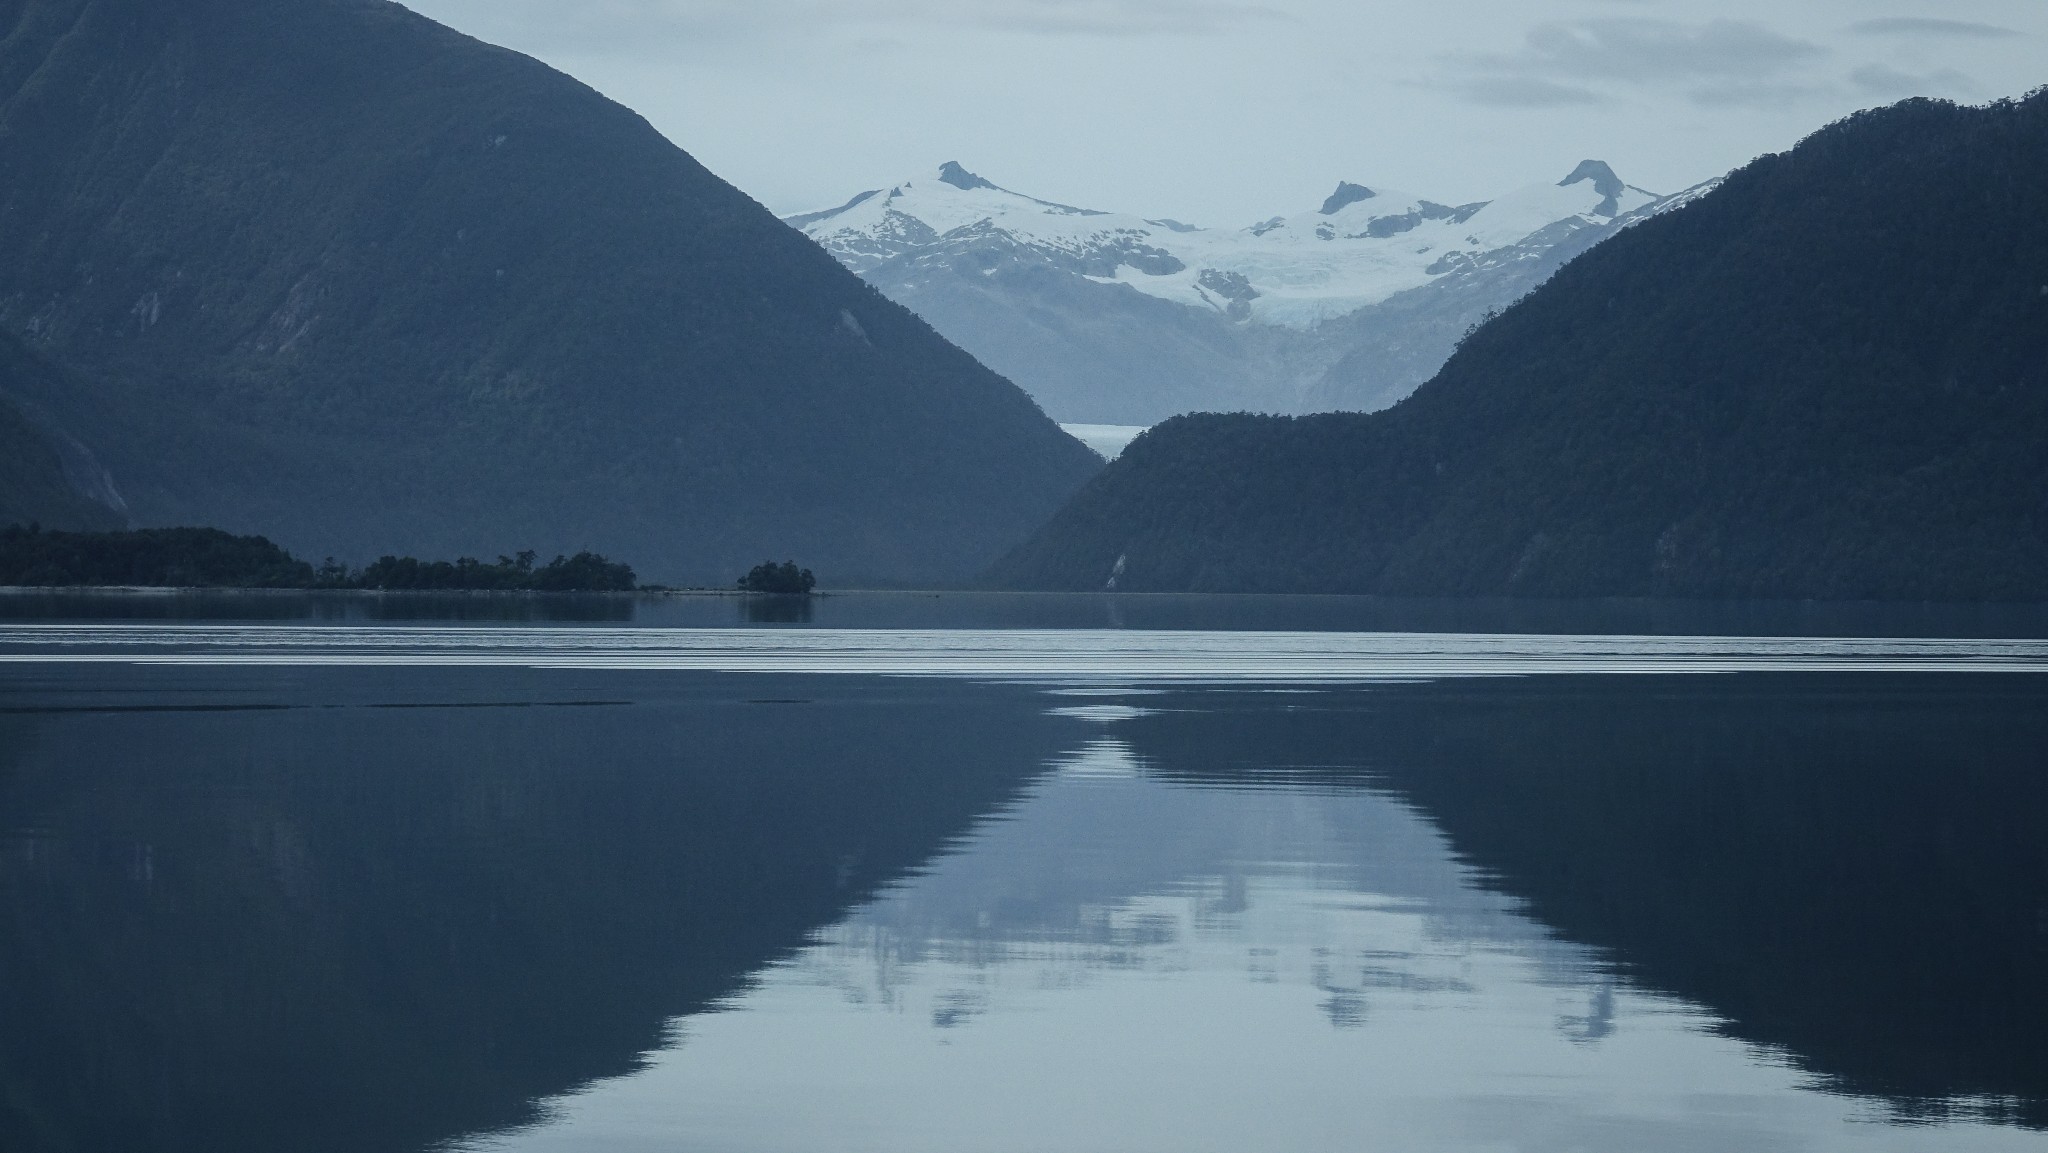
pixel 1929 26
pixel 1879 82
pixel 1087 17
pixel 1656 51
pixel 1523 92
pixel 1888 83
pixel 1721 62
pixel 1754 95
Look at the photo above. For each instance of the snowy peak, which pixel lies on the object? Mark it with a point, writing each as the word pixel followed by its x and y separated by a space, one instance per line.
pixel 1360 247
pixel 951 173
pixel 1375 215
pixel 1605 182
pixel 1345 194
pixel 803 221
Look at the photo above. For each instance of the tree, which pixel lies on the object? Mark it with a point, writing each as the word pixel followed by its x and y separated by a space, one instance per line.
pixel 783 579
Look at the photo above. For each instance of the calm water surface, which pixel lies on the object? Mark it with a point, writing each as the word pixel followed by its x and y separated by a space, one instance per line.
pixel 983 874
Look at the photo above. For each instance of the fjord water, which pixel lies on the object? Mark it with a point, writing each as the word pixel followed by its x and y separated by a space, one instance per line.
pixel 560 878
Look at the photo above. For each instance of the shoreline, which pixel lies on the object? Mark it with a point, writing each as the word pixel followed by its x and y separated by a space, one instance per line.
pixel 1049 594
pixel 190 590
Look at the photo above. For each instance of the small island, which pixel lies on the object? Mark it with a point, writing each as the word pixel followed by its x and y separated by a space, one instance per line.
pixel 784 579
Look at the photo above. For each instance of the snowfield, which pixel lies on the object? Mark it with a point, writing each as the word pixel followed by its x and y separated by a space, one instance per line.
pixel 1361 247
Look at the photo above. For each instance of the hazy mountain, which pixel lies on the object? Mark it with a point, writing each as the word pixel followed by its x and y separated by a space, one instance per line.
pixel 347 278
pixel 1109 317
pixel 1826 378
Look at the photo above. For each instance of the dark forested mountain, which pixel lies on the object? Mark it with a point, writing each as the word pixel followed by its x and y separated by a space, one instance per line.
pixel 46 476
pixel 1826 378
pixel 342 276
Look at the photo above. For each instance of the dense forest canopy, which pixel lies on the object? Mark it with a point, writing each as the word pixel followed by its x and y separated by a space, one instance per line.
pixel 1827 378
pixel 784 579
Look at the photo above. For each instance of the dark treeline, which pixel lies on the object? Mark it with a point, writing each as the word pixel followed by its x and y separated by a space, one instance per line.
pixel 207 557
pixel 783 579
pixel 584 572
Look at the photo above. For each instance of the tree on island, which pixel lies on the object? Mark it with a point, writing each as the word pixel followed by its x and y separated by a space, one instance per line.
pixel 783 579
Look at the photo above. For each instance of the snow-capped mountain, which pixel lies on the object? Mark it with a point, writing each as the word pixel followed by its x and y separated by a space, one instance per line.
pixel 1119 318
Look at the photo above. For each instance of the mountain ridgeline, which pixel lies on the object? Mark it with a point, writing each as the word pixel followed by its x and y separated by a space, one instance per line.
pixel 328 271
pixel 1112 317
pixel 1826 378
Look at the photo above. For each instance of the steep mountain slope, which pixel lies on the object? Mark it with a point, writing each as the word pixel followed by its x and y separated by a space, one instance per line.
pixel 1826 378
pixel 360 283
pixel 33 489
pixel 46 477
pixel 1120 319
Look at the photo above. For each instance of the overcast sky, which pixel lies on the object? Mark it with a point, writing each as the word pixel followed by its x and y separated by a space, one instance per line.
pixel 1225 112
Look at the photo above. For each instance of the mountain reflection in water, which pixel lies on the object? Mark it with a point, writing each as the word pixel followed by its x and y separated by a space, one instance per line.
pixel 371 910
pixel 1304 921
pixel 1850 870
pixel 563 910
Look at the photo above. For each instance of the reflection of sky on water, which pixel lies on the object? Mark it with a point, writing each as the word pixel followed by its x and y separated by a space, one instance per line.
pixel 1119 963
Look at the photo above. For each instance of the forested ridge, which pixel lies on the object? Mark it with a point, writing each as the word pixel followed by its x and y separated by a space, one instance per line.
pixel 1827 378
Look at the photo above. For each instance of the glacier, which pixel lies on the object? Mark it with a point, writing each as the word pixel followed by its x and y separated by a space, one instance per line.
pixel 1116 318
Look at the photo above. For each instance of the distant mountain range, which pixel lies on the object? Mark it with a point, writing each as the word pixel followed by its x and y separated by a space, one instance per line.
pixel 1114 318
pixel 1827 377
pixel 330 272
